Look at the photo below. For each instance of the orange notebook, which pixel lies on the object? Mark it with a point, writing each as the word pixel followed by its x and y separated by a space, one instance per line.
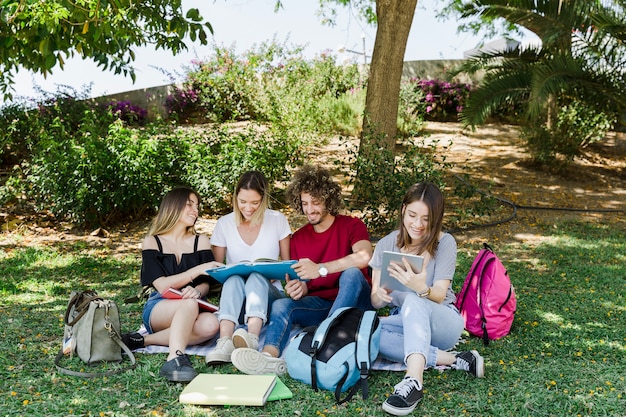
pixel 174 294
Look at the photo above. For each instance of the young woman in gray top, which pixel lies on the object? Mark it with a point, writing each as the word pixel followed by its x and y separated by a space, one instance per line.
pixel 423 323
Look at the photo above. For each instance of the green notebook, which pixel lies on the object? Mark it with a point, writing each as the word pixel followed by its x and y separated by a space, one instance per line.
pixel 280 391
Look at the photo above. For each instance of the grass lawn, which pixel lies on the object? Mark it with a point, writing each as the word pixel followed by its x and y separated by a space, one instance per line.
pixel 565 355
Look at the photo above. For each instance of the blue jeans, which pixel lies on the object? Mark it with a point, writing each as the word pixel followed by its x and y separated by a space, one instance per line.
pixel 257 292
pixel 354 291
pixel 154 298
pixel 421 326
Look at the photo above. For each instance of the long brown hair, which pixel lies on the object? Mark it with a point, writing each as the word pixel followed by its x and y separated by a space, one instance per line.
pixel 170 210
pixel 430 195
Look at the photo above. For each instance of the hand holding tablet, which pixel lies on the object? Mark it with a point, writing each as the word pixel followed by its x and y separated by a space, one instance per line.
pixel 390 283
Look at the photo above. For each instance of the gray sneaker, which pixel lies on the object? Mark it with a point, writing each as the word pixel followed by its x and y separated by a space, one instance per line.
pixel 243 339
pixel 178 369
pixel 221 353
pixel 253 362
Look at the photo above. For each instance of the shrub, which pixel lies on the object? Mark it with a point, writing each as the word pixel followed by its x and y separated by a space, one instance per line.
pixel 384 179
pixel 15 133
pixel 22 124
pixel 95 180
pixel 343 115
pixel 128 112
pixel 411 110
pixel 216 161
pixel 578 125
pixel 440 100
pixel 271 83
pixel 301 95
pixel 182 102
pixel 225 86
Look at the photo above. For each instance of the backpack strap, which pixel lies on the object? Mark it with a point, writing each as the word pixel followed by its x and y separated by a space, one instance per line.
pixel 487 253
pixel 318 340
pixel 367 325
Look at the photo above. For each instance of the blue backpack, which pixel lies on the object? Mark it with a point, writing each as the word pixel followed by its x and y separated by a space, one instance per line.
pixel 336 354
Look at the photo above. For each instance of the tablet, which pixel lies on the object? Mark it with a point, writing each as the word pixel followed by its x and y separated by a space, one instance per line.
pixel 390 283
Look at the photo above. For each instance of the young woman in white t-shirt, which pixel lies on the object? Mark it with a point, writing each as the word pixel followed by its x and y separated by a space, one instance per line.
pixel 252 231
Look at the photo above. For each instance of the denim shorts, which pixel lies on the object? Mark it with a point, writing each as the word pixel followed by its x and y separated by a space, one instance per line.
pixel 154 298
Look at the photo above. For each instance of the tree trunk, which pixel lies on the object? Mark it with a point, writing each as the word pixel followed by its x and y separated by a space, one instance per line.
pixel 380 127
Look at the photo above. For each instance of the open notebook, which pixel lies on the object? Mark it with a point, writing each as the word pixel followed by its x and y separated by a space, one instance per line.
pixel 228 389
pixel 269 268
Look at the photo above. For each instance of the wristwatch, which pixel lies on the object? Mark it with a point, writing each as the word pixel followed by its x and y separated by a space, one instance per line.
pixel 322 271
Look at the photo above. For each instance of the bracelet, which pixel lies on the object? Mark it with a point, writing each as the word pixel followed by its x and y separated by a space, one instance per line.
pixel 424 294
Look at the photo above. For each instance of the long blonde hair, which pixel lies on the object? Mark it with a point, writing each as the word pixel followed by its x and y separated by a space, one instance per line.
pixel 170 210
pixel 255 181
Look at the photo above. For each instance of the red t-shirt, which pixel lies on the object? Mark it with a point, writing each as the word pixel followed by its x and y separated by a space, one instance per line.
pixel 332 244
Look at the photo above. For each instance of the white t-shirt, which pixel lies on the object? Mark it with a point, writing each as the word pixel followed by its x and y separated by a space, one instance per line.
pixel 273 229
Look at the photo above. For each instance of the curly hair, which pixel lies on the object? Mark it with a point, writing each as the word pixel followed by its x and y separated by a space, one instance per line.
pixel 317 182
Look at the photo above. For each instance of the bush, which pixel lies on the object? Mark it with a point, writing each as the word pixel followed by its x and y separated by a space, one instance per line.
pixel 439 100
pixel 95 180
pixel 411 110
pixel 384 179
pixel 225 87
pixel 23 124
pixel 128 112
pixel 15 133
pixel 182 103
pixel 343 115
pixel 271 83
pixel 578 125
pixel 301 95
pixel 216 161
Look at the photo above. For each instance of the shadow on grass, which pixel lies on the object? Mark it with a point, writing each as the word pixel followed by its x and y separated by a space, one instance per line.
pixel 562 358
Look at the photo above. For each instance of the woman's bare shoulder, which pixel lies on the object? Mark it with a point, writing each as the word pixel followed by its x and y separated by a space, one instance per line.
pixel 149 242
pixel 204 242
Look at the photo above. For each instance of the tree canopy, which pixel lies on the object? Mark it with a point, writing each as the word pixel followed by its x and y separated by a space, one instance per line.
pixel 41 35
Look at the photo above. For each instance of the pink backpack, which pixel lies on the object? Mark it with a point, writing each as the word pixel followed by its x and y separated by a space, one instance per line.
pixel 487 300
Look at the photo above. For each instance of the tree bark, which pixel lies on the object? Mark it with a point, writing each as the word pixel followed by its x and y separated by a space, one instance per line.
pixel 380 127
pixel 383 88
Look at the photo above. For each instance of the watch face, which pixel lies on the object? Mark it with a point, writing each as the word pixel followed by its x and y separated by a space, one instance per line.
pixel 323 271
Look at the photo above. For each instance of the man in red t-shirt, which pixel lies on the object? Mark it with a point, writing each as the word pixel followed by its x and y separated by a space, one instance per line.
pixel 333 252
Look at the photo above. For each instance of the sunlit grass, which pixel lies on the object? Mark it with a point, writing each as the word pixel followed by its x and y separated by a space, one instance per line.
pixel 564 356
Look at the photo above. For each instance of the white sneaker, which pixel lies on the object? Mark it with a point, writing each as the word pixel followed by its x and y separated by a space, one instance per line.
pixel 253 362
pixel 222 352
pixel 243 339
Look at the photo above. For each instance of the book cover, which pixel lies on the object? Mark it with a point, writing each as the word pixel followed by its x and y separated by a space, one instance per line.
pixel 280 391
pixel 269 268
pixel 228 389
pixel 390 283
pixel 174 294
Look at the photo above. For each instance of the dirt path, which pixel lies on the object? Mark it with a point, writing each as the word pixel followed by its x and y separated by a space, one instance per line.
pixel 493 159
